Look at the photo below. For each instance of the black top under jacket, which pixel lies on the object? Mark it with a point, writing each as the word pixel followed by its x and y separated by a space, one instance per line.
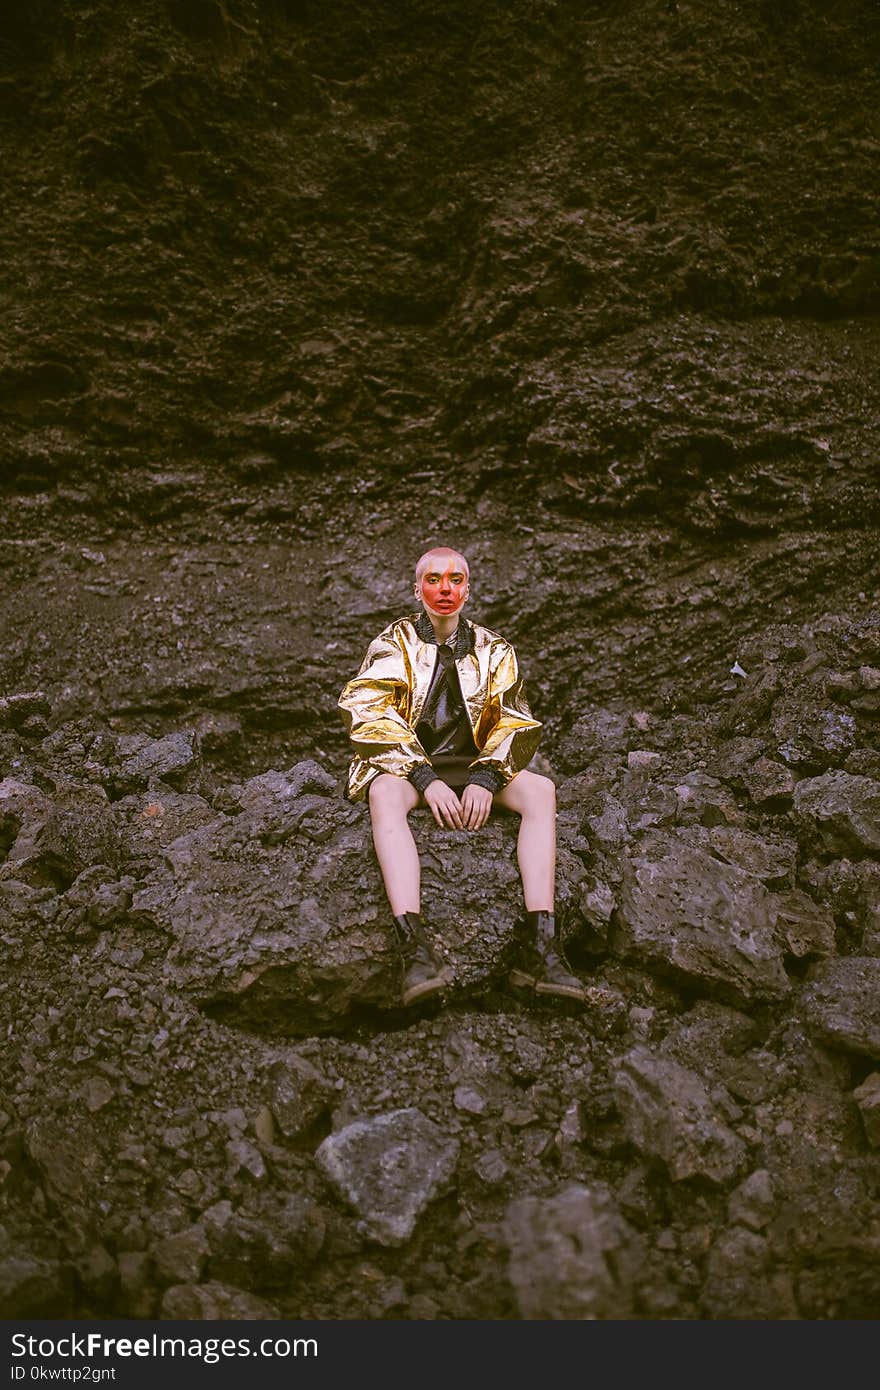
pixel 444 729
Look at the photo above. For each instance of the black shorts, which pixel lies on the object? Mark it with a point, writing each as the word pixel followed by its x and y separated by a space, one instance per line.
pixel 453 769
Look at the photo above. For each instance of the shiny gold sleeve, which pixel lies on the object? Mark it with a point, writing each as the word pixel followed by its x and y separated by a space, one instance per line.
pixel 375 707
pixel 509 733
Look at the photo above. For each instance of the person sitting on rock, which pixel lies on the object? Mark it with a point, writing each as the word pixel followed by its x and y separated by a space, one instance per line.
pixel 438 717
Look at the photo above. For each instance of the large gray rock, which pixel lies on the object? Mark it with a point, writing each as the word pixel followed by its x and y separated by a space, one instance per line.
pixel 713 923
pixel 262 794
pixel 841 812
pixel 572 1255
pixel 668 1114
pixel 388 1168
pixel 768 857
pixel 150 820
pixel 841 1003
pixel 263 907
pixel 278 912
pixel 51 839
pixel 168 759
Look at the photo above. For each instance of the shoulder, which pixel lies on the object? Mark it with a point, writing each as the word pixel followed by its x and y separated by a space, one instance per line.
pixel 487 634
pixel 487 639
pixel 397 626
pixel 400 634
pixel 401 630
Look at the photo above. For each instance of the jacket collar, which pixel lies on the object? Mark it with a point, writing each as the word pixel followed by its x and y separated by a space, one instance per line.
pixel 464 637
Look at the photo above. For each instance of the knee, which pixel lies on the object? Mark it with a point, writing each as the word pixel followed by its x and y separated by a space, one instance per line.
pixel 542 795
pixel 535 796
pixel 385 795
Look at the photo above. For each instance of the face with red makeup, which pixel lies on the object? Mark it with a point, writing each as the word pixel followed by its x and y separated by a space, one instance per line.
pixel 442 582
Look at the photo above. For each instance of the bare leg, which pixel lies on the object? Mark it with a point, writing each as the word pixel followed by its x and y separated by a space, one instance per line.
pixel 534 798
pixel 391 799
pixel 543 966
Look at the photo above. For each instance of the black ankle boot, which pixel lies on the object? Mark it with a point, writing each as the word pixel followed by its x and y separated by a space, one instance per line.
pixel 544 967
pixel 422 973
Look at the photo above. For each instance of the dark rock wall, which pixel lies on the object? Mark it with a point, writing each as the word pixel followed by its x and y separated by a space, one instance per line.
pixel 291 291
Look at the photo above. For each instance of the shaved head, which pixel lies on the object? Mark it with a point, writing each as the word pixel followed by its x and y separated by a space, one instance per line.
pixel 443 554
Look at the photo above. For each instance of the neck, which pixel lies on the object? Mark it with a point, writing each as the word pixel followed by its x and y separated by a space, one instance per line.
pixel 443 624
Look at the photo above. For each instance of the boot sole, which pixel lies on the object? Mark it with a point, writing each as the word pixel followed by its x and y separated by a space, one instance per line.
pixel 423 990
pixel 562 991
pixel 518 979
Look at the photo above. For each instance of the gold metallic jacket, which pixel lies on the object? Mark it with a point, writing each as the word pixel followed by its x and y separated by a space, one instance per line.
pixel 381 706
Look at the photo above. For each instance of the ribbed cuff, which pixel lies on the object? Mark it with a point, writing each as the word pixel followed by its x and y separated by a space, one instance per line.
pixel 422 776
pixel 485 777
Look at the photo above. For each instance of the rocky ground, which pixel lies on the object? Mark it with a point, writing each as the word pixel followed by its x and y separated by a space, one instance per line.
pixel 297 290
